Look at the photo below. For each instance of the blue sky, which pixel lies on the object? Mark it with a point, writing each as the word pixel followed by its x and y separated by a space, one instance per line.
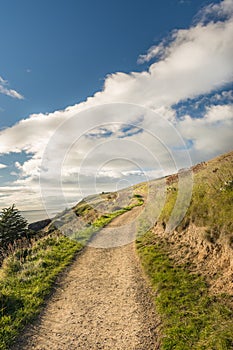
pixel 171 58
pixel 57 53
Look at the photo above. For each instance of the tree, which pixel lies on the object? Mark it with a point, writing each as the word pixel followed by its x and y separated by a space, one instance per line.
pixel 13 226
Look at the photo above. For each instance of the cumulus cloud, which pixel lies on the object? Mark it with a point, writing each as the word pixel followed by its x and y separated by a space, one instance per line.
pixel 9 92
pixel 198 60
pixel 2 166
pixel 211 134
pixel 157 51
pixel 193 62
pixel 219 97
pixel 222 10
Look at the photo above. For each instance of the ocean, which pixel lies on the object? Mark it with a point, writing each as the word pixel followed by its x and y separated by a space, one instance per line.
pixel 34 215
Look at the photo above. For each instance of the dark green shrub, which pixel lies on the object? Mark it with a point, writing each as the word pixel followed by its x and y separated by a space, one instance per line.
pixel 12 226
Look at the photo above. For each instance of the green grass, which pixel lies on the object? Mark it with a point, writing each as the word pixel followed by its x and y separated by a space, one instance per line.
pixel 191 318
pixel 106 219
pixel 27 276
pixel 83 208
pixel 25 284
pixel 85 235
pixel 211 202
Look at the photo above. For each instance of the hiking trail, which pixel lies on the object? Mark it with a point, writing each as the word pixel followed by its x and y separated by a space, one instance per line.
pixel 102 301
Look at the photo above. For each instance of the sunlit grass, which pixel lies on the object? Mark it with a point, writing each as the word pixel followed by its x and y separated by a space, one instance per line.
pixel 25 284
pixel 191 318
pixel 211 202
pixel 27 276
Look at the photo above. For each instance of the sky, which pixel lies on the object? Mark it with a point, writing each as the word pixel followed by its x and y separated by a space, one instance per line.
pixel 96 96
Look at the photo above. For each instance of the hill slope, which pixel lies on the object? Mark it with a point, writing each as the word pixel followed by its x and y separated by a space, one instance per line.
pixel 204 238
pixel 190 268
pixel 102 302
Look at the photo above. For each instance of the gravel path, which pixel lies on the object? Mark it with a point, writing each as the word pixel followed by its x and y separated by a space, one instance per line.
pixel 101 302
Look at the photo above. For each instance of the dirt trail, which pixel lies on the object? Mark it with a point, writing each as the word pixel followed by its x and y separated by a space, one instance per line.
pixel 101 302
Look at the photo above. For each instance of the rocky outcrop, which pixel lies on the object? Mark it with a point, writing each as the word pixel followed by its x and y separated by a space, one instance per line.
pixel 39 225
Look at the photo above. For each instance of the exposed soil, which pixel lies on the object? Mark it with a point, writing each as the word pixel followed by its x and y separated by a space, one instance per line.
pixel 101 302
pixel 214 261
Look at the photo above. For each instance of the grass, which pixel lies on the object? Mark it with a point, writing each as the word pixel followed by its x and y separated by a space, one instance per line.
pixel 84 235
pixel 211 202
pixel 191 318
pixel 28 274
pixel 25 284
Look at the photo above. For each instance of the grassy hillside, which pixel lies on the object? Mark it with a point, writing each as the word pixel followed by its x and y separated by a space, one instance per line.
pixel 212 198
pixel 191 317
pixel 190 269
pixel 26 281
pixel 28 274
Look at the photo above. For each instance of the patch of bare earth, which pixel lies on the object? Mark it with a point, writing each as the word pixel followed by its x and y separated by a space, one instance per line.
pixel 214 261
pixel 101 302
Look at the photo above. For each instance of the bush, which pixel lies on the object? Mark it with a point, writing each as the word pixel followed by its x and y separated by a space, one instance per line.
pixel 12 226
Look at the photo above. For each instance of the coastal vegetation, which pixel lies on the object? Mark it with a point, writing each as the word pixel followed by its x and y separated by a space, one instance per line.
pixel 32 264
pixel 189 269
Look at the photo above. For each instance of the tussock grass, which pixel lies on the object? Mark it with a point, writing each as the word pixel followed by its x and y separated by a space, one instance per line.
pixel 191 318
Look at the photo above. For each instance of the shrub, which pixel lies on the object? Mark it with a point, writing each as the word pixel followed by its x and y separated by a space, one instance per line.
pixel 12 226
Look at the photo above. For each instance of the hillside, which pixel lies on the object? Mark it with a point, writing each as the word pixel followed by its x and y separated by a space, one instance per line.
pixel 191 267
pixel 188 270
pixel 204 238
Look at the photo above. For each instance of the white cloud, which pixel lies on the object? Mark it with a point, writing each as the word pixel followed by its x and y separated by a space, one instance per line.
pixel 211 134
pixel 223 95
pixel 195 62
pixel 154 51
pixel 9 92
pixel 133 172
pixel 223 9
pixel 23 196
pixel 32 134
pixel 2 166
pixel 219 114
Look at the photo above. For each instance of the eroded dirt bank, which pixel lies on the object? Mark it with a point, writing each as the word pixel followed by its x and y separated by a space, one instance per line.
pixel 214 261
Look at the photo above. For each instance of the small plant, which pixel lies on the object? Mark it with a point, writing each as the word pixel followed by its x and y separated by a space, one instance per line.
pixel 83 208
pixel 227 186
pixel 211 235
